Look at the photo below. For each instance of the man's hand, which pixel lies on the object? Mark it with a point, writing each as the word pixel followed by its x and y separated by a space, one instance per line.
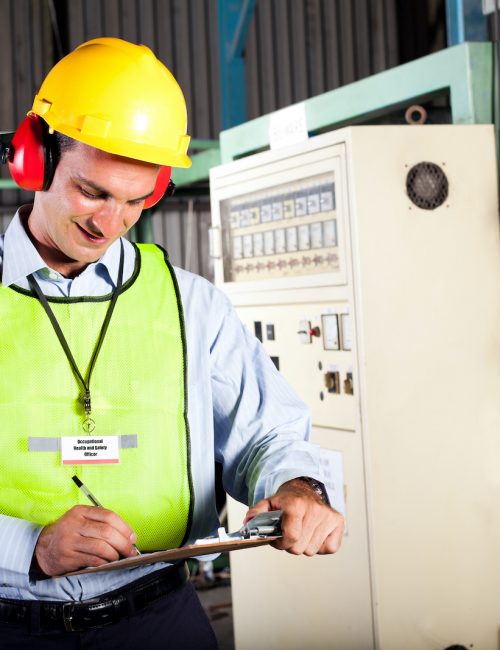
pixel 308 525
pixel 83 536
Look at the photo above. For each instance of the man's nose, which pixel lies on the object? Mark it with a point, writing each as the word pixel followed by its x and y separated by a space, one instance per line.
pixel 108 220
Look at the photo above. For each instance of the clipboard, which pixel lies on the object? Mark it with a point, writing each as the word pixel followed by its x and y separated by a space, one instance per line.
pixel 259 531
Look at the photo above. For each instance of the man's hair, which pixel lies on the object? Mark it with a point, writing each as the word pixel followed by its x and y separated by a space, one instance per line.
pixel 64 143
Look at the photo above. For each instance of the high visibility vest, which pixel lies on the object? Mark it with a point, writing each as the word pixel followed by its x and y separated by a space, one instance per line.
pixel 138 386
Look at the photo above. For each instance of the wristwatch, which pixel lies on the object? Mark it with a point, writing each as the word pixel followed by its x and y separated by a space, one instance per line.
pixel 318 487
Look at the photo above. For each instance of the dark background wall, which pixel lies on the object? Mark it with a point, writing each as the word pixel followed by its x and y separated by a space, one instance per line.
pixel 295 49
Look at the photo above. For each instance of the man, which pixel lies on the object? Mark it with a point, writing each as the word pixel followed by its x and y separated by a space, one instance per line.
pixel 105 341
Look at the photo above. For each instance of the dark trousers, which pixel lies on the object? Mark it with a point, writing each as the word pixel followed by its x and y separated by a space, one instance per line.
pixel 176 621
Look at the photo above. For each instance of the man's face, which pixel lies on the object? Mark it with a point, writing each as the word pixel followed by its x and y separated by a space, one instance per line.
pixel 94 198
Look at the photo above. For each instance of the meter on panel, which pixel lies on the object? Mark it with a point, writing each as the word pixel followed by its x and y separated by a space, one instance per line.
pixel 291 240
pixel 280 240
pixel 258 244
pixel 317 235
pixel 269 248
pixel 330 327
pixel 266 212
pixel 247 246
pixel 330 233
pixel 304 238
pixel 237 248
pixel 313 201
pixel 277 211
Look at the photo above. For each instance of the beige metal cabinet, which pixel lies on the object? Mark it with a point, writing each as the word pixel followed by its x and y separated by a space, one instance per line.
pixel 368 260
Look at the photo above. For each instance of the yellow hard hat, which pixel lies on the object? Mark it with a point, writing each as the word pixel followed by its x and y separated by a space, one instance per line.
pixel 118 97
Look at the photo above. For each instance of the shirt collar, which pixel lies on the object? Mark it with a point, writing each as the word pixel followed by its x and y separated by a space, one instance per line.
pixel 20 257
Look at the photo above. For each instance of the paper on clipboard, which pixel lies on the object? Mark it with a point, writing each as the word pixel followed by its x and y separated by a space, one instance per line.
pixel 333 478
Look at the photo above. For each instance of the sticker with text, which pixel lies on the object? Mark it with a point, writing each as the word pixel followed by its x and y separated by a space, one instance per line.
pixel 90 450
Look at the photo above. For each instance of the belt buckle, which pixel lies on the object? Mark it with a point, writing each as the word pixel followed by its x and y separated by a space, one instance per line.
pixel 67 613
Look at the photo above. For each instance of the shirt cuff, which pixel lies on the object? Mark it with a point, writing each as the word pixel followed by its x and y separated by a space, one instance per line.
pixel 18 539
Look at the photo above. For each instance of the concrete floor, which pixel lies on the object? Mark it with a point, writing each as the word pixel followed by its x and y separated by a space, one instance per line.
pixel 216 600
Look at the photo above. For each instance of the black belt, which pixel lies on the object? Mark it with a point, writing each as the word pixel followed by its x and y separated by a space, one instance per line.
pixel 97 612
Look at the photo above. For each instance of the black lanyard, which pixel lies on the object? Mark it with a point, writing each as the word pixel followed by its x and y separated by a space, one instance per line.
pixel 88 424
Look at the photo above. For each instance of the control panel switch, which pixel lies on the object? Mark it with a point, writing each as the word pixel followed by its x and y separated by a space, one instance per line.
pixel 332 382
pixel 348 386
pixel 304 331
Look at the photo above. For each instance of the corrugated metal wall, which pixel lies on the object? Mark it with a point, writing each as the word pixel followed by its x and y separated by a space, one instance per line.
pixel 295 49
pixel 26 54
pixel 300 48
pixel 183 231
pixel 182 33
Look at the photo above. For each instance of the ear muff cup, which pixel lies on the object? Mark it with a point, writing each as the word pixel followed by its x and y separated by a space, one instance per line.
pixel 33 154
pixel 162 185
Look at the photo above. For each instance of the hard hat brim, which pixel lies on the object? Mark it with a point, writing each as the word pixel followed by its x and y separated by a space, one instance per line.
pixel 136 150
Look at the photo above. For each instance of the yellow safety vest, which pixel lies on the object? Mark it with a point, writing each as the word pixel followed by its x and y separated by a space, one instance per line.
pixel 138 387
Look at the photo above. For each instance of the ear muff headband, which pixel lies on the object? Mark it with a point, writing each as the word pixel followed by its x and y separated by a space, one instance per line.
pixel 33 154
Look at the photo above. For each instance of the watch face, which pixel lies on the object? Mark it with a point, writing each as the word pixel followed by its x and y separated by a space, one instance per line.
pixel 318 487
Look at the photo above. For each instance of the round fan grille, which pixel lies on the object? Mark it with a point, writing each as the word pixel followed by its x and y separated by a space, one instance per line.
pixel 427 185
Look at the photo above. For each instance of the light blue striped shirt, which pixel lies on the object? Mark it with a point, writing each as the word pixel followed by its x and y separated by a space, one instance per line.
pixel 241 412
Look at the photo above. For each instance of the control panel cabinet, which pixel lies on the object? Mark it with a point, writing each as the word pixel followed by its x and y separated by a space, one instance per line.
pixel 367 261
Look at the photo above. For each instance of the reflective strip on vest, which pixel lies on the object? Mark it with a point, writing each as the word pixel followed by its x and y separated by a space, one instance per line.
pixel 138 387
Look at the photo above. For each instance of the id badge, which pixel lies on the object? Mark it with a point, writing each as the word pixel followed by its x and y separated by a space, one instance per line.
pixel 90 450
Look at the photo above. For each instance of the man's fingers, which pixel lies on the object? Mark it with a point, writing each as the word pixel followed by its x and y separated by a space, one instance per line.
pixel 292 527
pixel 263 505
pixel 108 534
pixel 96 547
pixel 86 560
pixel 105 516
pixel 308 526
pixel 332 542
pixel 83 536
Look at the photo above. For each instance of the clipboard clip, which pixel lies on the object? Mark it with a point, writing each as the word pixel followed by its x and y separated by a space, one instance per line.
pixel 266 524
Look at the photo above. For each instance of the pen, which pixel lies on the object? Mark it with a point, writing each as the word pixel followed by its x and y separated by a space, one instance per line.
pixel 92 498
pixel 87 492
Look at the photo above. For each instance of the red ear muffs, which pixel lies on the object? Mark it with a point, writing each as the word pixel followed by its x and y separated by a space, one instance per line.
pixel 163 186
pixel 32 154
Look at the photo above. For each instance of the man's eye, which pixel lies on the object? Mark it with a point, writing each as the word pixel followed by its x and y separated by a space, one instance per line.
pixel 90 195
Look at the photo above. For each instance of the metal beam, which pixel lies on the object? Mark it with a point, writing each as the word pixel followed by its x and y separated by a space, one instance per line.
pixel 234 18
pixel 202 162
pixel 196 143
pixel 241 31
pixel 465 21
pixel 465 71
